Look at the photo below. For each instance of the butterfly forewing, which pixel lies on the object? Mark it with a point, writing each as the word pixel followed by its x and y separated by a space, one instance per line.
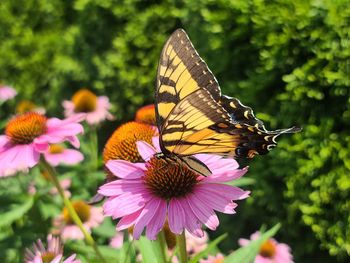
pixel 181 71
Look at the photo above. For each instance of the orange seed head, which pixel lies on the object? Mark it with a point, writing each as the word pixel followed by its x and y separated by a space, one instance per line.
pixel 268 249
pixel 84 101
pixel 122 143
pixel 146 114
pixel 24 128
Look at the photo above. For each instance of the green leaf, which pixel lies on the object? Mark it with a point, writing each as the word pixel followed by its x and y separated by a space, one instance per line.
pixel 15 211
pixel 5 232
pixel 107 229
pixel 210 247
pixel 127 253
pixel 149 251
pixel 48 209
pixel 248 253
pixel 109 253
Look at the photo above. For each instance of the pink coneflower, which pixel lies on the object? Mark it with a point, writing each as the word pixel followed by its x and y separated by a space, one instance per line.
pixel 148 193
pixel 7 93
pixel 29 134
pixel 53 253
pixel 271 251
pixel 96 108
pixel 58 154
pixel 218 258
pixel 90 216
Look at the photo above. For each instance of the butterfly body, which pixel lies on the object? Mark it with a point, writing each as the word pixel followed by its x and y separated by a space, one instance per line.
pixel 190 162
pixel 193 116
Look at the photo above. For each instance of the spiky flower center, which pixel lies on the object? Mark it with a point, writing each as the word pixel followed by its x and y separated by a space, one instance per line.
pixel 56 148
pixel 84 101
pixel 122 143
pixel 146 114
pixel 83 210
pixel 47 257
pixel 168 178
pixel 23 129
pixel 25 106
pixel 268 249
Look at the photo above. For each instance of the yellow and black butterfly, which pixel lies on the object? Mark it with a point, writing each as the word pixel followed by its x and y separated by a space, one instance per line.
pixel 194 117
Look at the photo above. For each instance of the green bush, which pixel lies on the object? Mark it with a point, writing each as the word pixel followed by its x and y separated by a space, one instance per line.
pixel 289 60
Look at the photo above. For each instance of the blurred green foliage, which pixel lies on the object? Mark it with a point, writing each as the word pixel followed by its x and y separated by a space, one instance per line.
pixel 289 60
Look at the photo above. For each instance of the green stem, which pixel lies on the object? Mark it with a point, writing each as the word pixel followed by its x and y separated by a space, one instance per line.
pixel 73 214
pixel 181 243
pixel 163 246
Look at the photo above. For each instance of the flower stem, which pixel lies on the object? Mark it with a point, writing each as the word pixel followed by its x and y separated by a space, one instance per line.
pixel 181 243
pixel 163 246
pixel 73 214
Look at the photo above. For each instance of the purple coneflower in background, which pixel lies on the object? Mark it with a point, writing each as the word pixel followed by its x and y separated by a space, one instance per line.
pixel 53 253
pixel 271 251
pixel 30 134
pixel 84 101
pixel 90 216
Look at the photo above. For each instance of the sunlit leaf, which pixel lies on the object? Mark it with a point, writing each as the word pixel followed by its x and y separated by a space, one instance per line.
pixel 149 251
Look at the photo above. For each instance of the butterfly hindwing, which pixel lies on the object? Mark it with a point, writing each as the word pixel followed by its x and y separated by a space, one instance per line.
pixel 199 124
pixel 252 140
pixel 187 130
pixel 240 113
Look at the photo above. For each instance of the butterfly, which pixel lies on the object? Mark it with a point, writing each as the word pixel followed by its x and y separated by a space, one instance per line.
pixel 193 117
